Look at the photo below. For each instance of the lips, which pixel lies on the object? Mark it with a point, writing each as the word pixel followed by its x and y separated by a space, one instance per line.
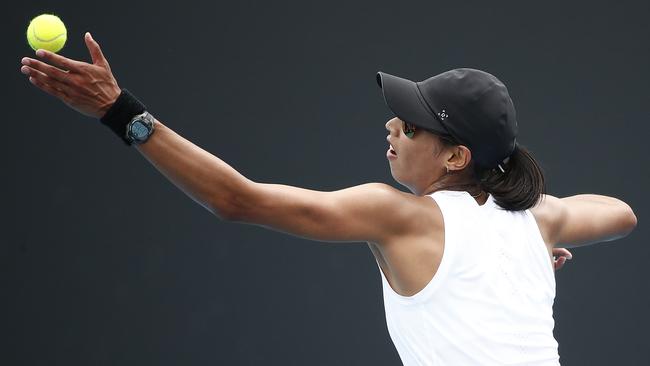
pixel 391 154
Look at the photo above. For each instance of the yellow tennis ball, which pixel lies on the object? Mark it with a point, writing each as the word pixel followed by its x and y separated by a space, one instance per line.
pixel 48 32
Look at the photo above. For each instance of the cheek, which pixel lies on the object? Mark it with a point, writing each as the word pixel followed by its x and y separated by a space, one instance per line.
pixel 423 161
pixel 416 160
pixel 421 155
pixel 410 162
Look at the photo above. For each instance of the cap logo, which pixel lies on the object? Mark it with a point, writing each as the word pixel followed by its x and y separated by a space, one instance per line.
pixel 443 114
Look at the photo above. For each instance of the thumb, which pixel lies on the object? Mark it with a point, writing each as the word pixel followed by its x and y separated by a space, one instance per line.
pixel 95 51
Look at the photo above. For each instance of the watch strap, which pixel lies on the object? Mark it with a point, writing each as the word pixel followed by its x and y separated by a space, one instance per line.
pixel 125 107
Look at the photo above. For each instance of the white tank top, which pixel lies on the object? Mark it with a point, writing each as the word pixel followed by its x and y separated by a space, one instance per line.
pixel 491 300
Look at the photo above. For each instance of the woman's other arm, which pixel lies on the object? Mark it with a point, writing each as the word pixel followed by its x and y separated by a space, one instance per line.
pixel 583 219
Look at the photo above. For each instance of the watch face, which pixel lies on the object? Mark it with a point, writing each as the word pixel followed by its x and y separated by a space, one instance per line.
pixel 139 130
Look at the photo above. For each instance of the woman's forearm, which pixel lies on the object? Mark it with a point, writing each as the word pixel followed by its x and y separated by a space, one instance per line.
pixel 592 218
pixel 207 179
pixel 597 198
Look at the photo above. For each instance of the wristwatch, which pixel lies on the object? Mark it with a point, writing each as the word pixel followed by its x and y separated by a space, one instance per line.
pixel 140 128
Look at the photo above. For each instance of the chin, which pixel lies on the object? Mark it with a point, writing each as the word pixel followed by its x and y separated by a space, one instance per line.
pixel 395 176
pixel 400 181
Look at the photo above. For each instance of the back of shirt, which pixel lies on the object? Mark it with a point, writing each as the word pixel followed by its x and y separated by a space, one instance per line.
pixel 491 300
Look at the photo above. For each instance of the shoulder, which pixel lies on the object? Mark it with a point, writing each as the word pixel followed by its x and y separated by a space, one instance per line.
pixel 549 214
pixel 409 214
pixel 404 204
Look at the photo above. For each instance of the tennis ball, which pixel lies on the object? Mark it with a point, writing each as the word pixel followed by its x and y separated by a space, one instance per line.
pixel 48 32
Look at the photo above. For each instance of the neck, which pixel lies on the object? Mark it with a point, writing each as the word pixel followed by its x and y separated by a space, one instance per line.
pixel 456 182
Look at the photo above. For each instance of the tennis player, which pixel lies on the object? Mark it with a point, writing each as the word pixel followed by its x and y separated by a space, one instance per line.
pixel 466 258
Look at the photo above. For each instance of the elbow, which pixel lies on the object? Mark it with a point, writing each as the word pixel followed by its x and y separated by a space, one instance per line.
pixel 629 220
pixel 234 204
pixel 229 212
pixel 235 214
pixel 632 220
pixel 234 208
pixel 226 215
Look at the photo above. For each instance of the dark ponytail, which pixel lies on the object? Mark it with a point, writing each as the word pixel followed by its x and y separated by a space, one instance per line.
pixel 521 185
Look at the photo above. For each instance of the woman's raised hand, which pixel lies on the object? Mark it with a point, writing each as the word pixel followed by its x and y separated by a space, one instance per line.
pixel 88 88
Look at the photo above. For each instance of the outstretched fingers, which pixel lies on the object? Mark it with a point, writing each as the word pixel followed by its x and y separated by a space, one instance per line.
pixel 95 51
pixel 31 65
pixel 49 86
pixel 59 61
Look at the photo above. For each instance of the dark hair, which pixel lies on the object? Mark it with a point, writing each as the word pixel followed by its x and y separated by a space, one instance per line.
pixel 522 184
pixel 519 188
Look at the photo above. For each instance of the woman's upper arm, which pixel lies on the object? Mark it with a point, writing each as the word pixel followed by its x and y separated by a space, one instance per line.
pixel 368 212
pixel 583 219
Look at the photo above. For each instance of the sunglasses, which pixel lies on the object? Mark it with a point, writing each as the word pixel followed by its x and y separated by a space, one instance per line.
pixel 408 129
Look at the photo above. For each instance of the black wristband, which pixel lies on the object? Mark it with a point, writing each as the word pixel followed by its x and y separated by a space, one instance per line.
pixel 126 106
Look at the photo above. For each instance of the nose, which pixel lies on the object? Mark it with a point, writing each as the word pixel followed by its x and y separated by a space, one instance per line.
pixel 390 125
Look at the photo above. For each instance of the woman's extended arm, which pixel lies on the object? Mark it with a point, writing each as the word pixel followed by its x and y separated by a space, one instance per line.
pixel 584 219
pixel 369 212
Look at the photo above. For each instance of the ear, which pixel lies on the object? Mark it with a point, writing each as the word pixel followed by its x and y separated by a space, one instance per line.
pixel 460 158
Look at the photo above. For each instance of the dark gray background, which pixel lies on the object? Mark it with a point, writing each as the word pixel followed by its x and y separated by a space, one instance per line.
pixel 104 262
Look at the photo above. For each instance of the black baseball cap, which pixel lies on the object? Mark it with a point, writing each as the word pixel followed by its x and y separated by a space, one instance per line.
pixel 471 106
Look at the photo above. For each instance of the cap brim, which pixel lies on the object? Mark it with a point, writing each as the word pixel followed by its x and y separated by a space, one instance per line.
pixel 403 98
